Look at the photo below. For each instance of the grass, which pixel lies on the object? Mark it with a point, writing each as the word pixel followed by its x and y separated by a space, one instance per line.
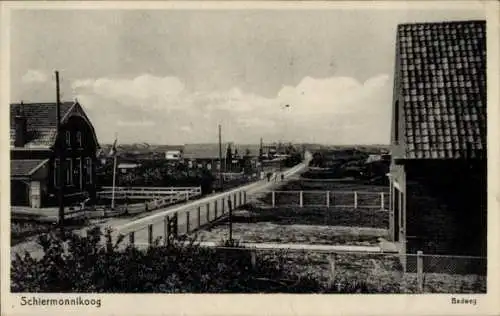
pixel 305 225
pixel 373 218
pixel 24 230
pixel 381 272
pixel 302 234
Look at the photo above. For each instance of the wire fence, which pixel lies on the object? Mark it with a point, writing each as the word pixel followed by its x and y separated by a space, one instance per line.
pixel 364 272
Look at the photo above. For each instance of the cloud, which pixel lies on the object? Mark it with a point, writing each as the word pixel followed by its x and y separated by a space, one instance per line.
pixel 163 110
pixel 34 76
pixel 186 128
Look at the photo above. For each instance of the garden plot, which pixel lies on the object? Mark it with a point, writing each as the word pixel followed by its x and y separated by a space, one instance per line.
pixel 314 223
pixel 300 225
pixel 381 272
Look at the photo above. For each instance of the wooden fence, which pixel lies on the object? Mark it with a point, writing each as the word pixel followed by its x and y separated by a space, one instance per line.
pixel 148 193
pixel 339 199
pixel 197 213
pixel 185 218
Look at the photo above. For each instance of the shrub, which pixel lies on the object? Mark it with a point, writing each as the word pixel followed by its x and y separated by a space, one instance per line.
pixel 93 263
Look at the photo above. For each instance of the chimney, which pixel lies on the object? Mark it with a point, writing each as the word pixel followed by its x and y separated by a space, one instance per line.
pixel 20 127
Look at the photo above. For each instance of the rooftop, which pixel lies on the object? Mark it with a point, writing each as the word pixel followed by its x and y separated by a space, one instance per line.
pixel 41 122
pixel 442 78
pixel 25 167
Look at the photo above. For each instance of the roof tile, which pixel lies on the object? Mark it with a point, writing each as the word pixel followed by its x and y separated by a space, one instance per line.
pixel 443 88
pixel 41 122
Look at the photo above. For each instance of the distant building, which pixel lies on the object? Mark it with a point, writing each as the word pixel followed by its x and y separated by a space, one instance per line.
pixel 173 155
pixel 126 167
pixel 207 155
pixel 34 144
pixel 438 170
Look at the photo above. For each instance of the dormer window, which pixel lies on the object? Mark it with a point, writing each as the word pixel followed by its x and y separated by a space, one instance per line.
pixel 68 138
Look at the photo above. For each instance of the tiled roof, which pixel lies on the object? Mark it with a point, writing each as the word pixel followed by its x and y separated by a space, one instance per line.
pixel 40 121
pixel 442 77
pixel 24 167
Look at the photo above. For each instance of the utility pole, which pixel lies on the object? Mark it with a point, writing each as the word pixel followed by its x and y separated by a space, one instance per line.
pixel 220 159
pixel 60 155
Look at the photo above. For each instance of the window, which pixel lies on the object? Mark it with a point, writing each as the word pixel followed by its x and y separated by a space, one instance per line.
pixel 88 170
pixel 69 171
pixel 79 139
pixel 68 138
pixel 78 172
pixel 56 172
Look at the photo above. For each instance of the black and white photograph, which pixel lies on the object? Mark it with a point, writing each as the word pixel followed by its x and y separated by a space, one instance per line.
pixel 239 150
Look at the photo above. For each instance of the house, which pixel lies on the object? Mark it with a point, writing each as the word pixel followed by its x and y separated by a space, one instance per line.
pixel 174 153
pixel 438 142
pixel 125 167
pixel 34 145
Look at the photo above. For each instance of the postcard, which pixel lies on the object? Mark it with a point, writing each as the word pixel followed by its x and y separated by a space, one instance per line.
pixel 250 158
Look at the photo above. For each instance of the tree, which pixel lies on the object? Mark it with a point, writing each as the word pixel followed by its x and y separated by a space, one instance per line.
pixel 246 162
pixel 229 156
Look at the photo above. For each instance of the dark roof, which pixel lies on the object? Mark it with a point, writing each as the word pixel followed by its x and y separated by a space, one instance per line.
pixel 40 122
pixel 442 81
pixel 25 167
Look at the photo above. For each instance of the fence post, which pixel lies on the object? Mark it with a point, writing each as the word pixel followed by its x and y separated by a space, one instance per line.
pixel 187 196
pixel 215 209
pixel 223 202
pixel 131 238
pixel 420 271
pixel 244 197
pixel 150 234
pixel 253 257
pixel 382 200
pixel 355 199
pixel 187 222
pixel 165 230
pixel 199 215
pixel 273 198
pixel 327 199
pixel 208 213
pixel 301 199
pixel 331 261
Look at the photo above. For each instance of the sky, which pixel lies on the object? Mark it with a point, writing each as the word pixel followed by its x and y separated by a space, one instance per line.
pixel 171 76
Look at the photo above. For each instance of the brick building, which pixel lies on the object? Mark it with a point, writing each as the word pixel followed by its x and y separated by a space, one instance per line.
pixel 438 168
pixel 33 146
